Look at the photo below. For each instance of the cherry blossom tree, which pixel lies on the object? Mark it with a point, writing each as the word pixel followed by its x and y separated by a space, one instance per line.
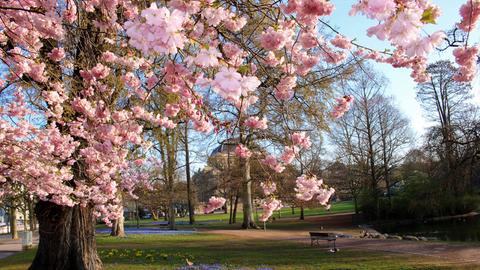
pixel 79 75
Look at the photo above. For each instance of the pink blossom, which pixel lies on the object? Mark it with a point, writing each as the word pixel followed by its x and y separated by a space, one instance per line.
pixel 249 84
pixel 131 80
pixel 109 57
pixel 273 40
pixel 341 42
pixel 100 71
pixel 234 53
pixel 213 204
pixel 236 24
pixel 423 46
pixel 301 139
pixel 307 187
pixel 310 10
pixel 343 105
pixel 37 72
pixel 207 58
pixel 466 58
pixel 215 16
pixel 324 195
pixel 289 154
pixel 269 206
pixel 284 90
pixel 291 6
pixel 272 162
pixel 160 33
pixel 378 9
pixel 254 122
pixel 268 188
pixel 57 54
pixel 70 14
pixel 309 39
pixel 228 83
pixel 316 7
pixel 171 110
pixel 272 60
pixel 470 12
pixel 405 29
pixel 242 151
pixel 202 126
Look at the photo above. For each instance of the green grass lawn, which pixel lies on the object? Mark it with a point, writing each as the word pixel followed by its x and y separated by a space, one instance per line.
pixel 220 219
pixel 169 252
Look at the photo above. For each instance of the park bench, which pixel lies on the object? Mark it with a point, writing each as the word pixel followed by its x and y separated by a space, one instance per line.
pixel 316 237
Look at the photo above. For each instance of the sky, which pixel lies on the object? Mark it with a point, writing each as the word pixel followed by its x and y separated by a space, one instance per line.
pixel 402 86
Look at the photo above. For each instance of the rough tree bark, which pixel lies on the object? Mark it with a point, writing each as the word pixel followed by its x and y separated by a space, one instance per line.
pixel 67 238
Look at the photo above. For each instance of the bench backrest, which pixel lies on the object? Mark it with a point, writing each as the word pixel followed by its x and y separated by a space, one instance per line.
pixel 322 234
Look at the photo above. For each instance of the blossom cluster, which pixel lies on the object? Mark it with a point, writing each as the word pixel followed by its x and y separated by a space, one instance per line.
pixel 308 187
pixel 343 105
pixel 213 204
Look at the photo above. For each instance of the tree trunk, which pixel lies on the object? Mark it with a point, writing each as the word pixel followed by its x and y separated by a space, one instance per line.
pixel 137 214
pixel 302 214
pixel 25 219
pixel 293 210
pixel 248 221
pixel 171 217
pixel 31 216
pixel 13 223
pixel 355 202
pixel 191 211
pixel 67 238
pixel 235 207
pixel 231 210
pixel 118 226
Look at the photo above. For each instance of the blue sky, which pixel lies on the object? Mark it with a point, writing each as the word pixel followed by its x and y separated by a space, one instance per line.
pixel 401 87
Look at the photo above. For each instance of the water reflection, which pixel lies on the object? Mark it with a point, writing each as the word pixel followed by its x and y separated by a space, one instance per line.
pixel 461 229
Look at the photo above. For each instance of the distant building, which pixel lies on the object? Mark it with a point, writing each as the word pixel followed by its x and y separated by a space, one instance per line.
pixel 208 180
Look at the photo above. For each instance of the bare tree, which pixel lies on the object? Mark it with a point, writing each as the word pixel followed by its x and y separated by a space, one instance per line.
pixel 371 137
pixel 447 104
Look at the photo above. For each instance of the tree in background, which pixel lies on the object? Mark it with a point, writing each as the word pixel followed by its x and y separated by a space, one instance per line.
pixel 371 138
pixel 454 114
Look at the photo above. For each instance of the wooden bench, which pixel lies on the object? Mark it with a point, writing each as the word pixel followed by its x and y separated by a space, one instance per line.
pixel 315 237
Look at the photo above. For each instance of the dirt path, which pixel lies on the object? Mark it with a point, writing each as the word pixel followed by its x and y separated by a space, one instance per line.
pixel 452 252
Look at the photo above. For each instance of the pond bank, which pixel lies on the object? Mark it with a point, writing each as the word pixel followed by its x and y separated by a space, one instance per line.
pixel 462 228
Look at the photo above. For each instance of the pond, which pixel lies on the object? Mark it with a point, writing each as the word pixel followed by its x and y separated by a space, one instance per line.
pixel 466 229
